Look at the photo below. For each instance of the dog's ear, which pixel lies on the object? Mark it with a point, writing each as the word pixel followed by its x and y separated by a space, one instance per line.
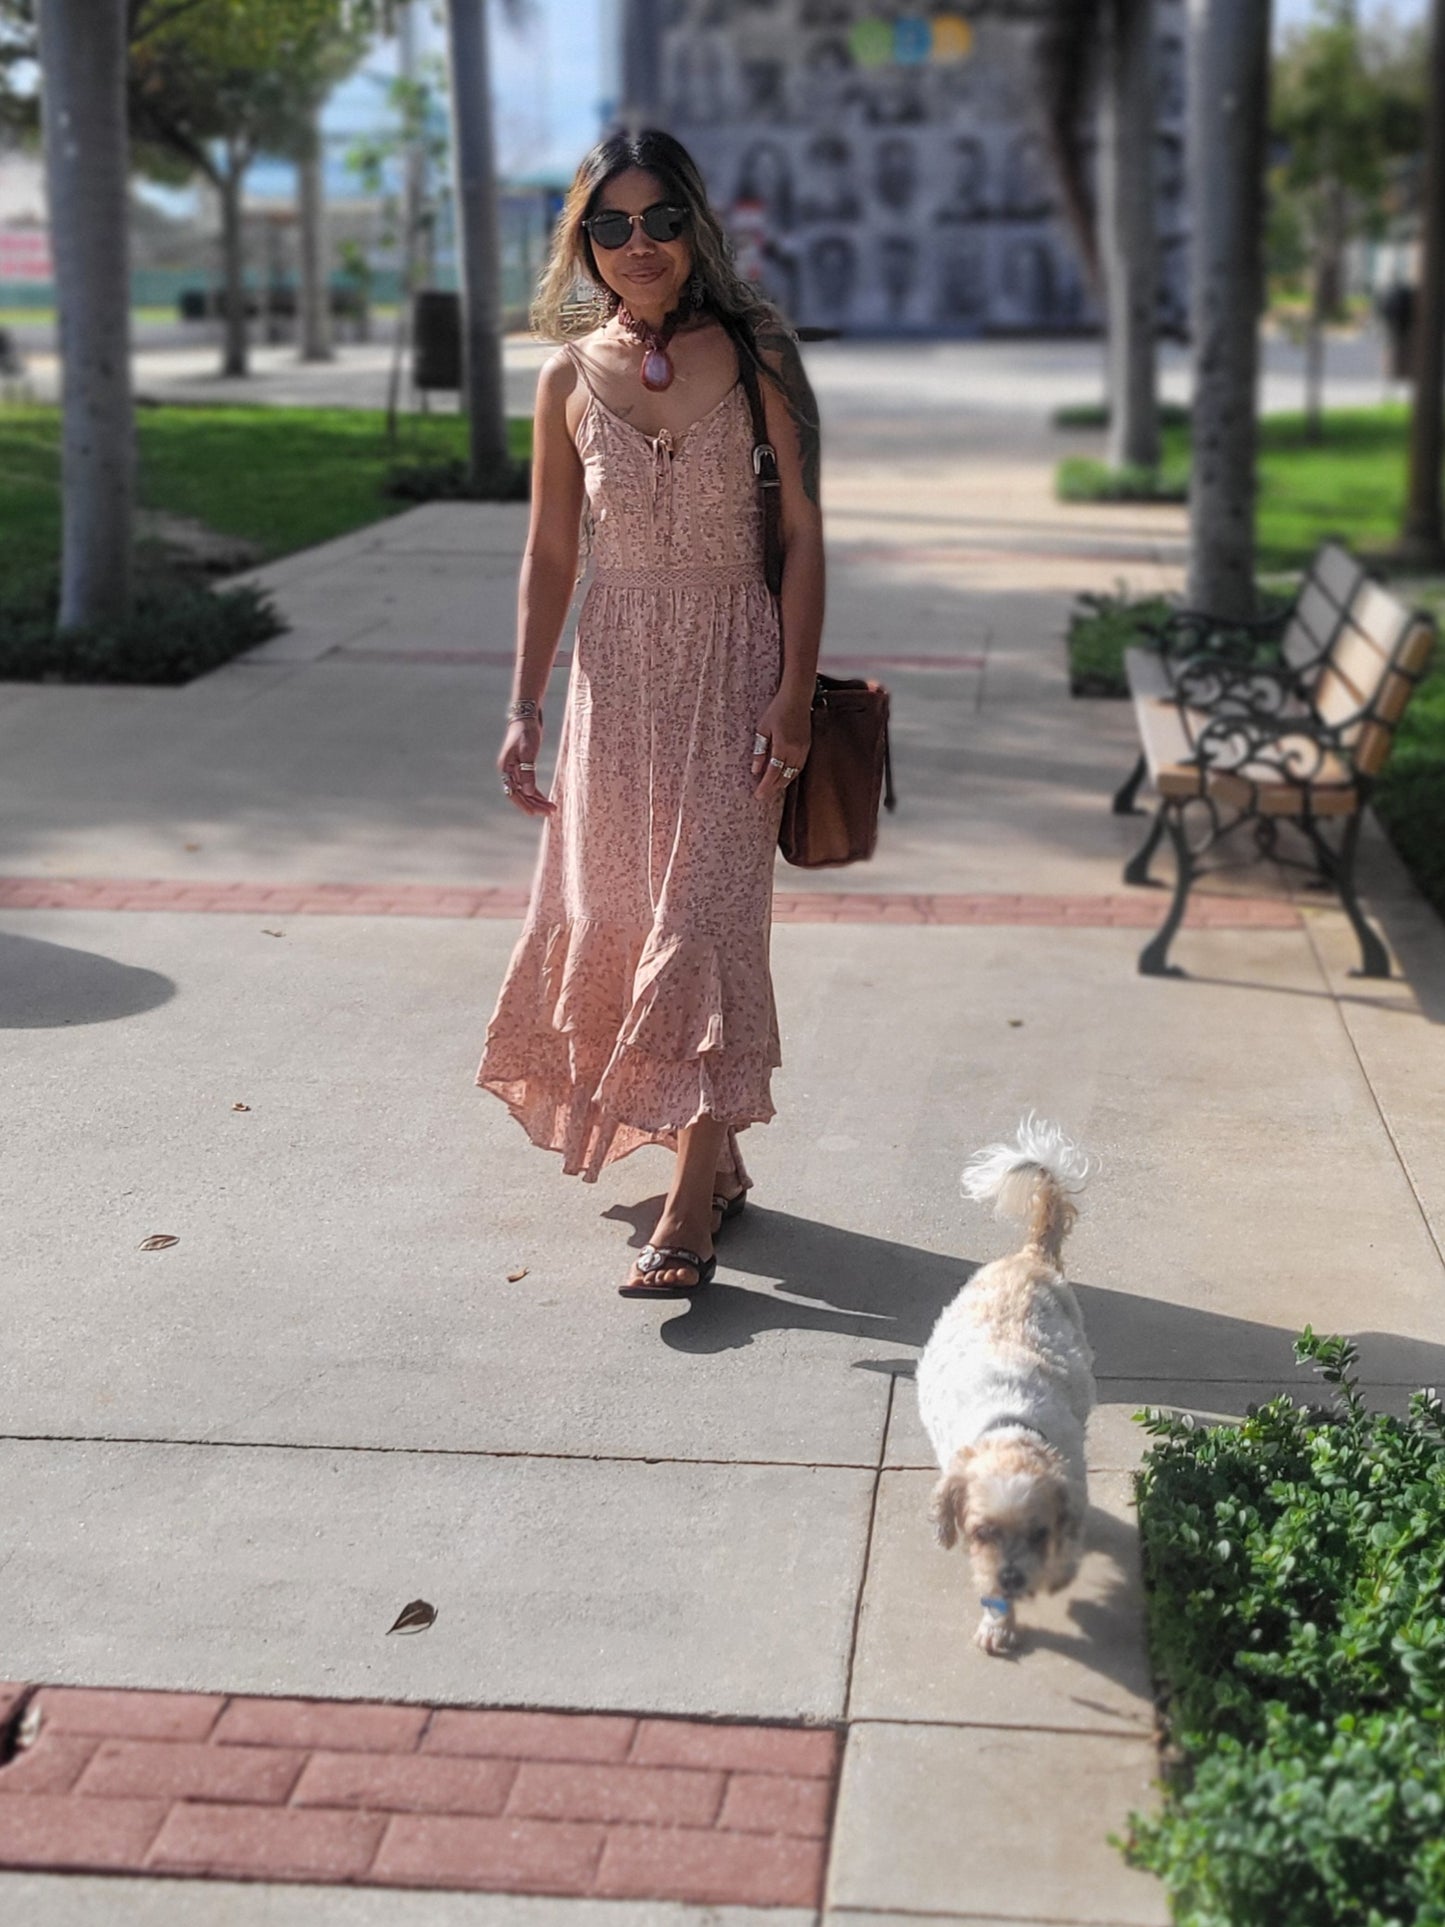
pixel 950 1498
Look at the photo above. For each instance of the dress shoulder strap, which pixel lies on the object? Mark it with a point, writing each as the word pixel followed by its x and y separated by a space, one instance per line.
pixel 579 361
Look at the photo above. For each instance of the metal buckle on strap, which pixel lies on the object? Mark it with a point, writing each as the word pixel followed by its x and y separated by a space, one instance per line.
pixel 764 451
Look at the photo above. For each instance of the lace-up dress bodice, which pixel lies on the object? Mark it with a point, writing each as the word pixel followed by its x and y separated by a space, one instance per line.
pixel 639 998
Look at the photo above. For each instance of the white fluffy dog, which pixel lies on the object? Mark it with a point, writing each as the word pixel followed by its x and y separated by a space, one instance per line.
pixel 1006 1385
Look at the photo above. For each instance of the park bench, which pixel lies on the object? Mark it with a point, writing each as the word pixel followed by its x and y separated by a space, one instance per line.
pixel 1238 734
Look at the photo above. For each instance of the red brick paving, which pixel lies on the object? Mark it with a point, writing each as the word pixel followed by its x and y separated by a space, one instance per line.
pixel 1143 910
pixel 501 1801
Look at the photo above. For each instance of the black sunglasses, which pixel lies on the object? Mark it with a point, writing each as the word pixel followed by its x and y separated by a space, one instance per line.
pixel 613 229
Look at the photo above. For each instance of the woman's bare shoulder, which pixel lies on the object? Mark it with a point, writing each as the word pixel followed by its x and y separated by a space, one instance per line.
pixel 559 375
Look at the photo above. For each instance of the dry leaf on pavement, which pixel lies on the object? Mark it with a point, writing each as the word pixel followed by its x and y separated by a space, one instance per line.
pixel 273 933
pixel 162 1241
pixel 414 1617
pixel 240 1107
pixel 516 1277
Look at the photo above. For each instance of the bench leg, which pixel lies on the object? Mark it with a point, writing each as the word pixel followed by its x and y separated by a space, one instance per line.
pixel 1374 958
pixel 1136 870
pixel 1129 789
pixel 1154 957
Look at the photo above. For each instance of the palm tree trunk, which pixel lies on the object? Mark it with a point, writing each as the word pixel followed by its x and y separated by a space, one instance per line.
pixel 1129 253
pixel 1423 537
pixel 1228 123
pixel 315 282
pixel 233 266
pixel 83 68
pixel 479 243
pixel 1315 351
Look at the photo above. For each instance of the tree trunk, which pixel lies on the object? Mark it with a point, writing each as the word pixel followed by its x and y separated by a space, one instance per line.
pixel 1315 350
pixel 233 268
pixel 479 243
pixel 1423 537
pixel 416 252
pixel 315 281
pixel 1228 123
pixel 416 264
pixel 83 68
pixel 642 25
pixel 1128 250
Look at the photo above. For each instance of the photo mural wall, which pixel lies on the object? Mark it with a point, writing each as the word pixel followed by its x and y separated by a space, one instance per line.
pixel 885 170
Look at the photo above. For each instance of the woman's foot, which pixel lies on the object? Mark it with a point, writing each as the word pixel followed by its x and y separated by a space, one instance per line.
pixel 680 1239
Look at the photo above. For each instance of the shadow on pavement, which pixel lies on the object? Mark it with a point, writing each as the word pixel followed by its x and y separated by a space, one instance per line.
pixel 1096 1644
pixel 48 986
pixel 832 1280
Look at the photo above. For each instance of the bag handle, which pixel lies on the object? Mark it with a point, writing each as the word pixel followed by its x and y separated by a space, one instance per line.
pixel 765 456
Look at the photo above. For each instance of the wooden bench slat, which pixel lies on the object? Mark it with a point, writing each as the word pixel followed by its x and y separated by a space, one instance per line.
pixel 1311 626
pixel 1337 571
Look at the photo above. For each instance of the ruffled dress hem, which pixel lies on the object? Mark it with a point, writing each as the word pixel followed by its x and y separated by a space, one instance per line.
pixel 662 1000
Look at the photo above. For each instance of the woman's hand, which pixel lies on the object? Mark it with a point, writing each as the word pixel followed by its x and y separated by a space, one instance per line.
pixel 786 725
pixel 518 766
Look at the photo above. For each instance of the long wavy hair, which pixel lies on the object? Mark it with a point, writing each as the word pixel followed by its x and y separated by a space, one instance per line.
pixel 572 298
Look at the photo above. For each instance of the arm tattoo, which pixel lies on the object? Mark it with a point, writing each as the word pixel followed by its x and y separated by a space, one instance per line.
pixel 792 378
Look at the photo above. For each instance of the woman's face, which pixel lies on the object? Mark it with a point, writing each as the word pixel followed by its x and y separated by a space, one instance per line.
pixel 647 276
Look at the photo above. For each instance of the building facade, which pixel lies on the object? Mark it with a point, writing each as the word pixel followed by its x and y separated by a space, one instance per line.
pixel 884 168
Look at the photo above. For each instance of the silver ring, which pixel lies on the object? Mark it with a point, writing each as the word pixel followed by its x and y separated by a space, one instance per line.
pixel 526 766
pixel 760 744
pixel 776 762
pixel 788 774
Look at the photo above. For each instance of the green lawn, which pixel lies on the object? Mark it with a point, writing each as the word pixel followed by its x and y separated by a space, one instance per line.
pixel 1350 484
pixel 284 478
pixel 14 317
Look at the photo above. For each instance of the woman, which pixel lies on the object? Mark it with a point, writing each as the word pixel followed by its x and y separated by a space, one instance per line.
pixel 638 1006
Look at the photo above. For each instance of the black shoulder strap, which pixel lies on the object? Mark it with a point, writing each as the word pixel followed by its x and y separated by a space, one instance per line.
pixel 765 456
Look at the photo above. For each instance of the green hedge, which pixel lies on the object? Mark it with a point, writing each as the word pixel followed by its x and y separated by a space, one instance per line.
pixel 178 629
pixel 1078 479
pixel 1295 1577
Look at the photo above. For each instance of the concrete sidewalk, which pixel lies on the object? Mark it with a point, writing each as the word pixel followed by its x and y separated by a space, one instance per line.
pixel 385 1360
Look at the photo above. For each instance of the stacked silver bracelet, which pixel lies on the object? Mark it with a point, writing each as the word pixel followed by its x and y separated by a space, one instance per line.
pixel 524 710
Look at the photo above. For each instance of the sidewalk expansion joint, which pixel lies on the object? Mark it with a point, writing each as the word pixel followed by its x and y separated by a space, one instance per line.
pixel 1385 1124
pixel 867 1559
pixel 427 1451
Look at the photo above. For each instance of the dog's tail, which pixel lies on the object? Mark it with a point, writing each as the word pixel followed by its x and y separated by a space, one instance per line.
pixel 1031 1179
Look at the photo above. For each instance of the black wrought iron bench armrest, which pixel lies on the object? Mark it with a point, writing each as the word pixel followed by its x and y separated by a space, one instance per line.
pixel 1189 632
pixel 1298 750
pixel 1210 681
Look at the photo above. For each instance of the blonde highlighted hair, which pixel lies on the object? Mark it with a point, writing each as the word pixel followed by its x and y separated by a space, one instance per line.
pixel 572 298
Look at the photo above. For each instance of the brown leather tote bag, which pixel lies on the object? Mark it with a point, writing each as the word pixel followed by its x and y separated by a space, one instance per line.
pixel 830 810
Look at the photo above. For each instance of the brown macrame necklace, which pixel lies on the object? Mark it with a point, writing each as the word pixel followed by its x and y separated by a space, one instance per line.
pixel 657 369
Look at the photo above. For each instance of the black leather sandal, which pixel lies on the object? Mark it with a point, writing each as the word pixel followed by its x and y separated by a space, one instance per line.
pixel 654 1258
pixel 728 1208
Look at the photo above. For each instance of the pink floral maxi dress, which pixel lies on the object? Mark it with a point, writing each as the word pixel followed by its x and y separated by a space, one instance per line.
pixel 639 998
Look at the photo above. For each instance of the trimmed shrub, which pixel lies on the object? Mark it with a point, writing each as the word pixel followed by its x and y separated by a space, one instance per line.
pixel 1295 1575
pixel 1100 629
pixel 177 630
pixel 1095 414
pixel 1077 479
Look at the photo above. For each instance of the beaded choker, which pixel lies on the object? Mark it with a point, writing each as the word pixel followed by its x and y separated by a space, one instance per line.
pixel 657 369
